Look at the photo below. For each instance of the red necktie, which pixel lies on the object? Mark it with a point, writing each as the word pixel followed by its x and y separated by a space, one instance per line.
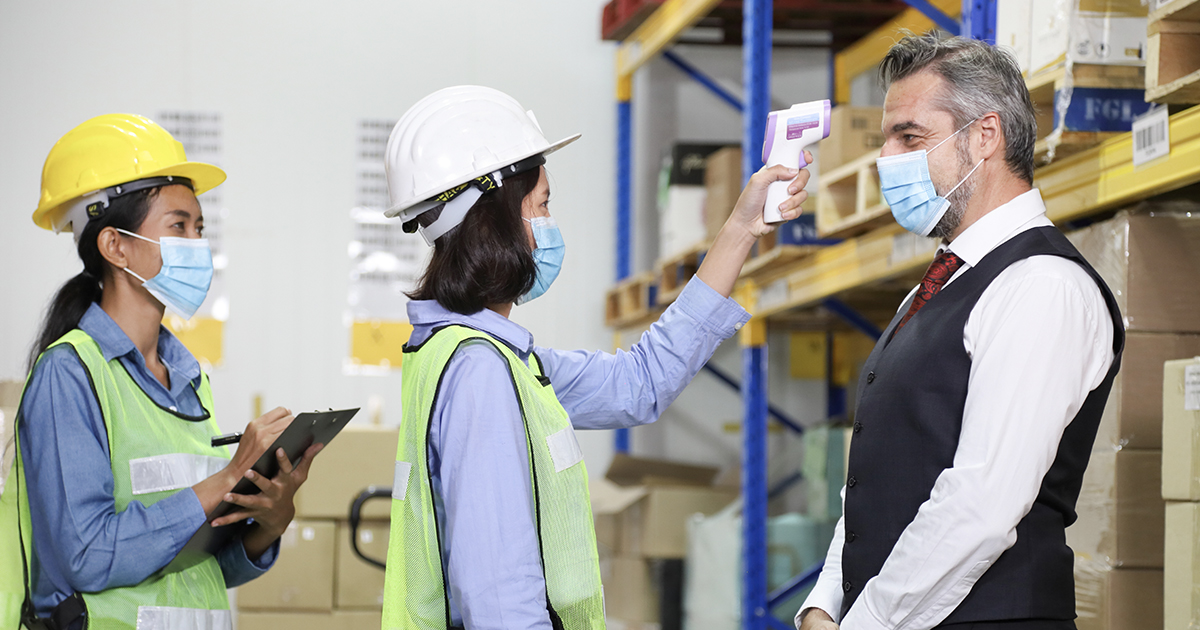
pixel 942 268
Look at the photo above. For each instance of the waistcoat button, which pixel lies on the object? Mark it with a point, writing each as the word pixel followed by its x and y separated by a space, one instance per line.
pixel 851 536
pixel 870 377
pixel 857 427
pixel 851 482
pixel 846 586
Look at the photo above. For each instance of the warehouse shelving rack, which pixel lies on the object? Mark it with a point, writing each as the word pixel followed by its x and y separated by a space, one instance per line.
pixel 1088 183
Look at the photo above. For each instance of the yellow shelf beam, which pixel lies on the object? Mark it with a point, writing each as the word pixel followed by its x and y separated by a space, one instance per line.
pixel 1100 179
pixel 864 54
pixel 663 26
pixel 1104 178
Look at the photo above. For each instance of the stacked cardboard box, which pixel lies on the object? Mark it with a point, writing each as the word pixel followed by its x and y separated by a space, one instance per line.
pixel 641 511
pixel 1045 34
pixel 1181 489
pixel 317 581
pixel 681 198
pixel 1144 257
pixel 853 133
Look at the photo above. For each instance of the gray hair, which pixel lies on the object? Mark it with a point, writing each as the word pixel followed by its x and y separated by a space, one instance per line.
pixel 979 79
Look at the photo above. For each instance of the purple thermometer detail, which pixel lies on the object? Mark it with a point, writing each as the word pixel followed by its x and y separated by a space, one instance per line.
pixel 769 139
pixel 797 125
pixel 825 131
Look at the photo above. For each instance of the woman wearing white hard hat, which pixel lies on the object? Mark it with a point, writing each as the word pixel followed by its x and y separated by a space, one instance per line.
pixel 115 466
pixel 491 524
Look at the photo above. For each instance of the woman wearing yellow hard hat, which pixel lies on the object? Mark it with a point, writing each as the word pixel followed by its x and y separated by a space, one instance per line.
pixel 115 465
pixel 491 526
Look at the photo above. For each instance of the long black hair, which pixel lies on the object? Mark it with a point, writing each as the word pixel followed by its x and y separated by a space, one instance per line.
pixel 486 259
pixel 126 212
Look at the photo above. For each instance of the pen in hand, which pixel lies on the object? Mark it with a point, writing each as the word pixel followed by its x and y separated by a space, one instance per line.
pixel 228 438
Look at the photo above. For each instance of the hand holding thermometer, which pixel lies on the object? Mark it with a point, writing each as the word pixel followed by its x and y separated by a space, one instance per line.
pixel 789 131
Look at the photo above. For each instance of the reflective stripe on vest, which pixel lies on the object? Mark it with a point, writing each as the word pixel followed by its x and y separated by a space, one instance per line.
pixel 173 471
pixel 145 442
pixel 164 618
pixel 415 591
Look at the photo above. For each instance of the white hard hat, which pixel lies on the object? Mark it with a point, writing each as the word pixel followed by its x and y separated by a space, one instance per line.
pixel 450 138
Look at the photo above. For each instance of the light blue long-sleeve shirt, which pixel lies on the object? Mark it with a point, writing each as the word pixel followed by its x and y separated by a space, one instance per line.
pixel 80 542
pixel 477 453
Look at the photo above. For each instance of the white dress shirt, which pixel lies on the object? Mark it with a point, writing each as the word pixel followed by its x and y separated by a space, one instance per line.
pixel 1040 339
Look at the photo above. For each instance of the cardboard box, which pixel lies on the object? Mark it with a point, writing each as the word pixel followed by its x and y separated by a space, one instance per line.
pixel 360 456
pixel 853 132
pixel 1013 24
pixel 336 620
pixel 1181 569
pixel 1120 513
pixel 302 578
pixel 630 592
pixel 1146 257
pixel 681 196
pixel 1109 32
pixel 1117 599
pixel 1133 415
pixel 647 517
pixel 1181 430
pixel 358 585
pixel 722 186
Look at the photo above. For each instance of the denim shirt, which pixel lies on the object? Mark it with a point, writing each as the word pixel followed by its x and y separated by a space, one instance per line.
pixel 80 542
pixel 478 459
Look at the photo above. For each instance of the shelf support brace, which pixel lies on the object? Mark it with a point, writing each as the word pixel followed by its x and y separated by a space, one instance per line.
pixel 703 79
pixel 772 410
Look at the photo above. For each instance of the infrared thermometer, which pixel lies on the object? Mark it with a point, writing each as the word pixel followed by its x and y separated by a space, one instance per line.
pixel 789 131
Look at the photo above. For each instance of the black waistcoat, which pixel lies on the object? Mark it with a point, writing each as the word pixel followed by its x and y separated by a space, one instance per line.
pixel 908 419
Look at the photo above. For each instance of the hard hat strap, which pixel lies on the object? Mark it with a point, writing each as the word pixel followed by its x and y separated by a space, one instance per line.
pixel 94 204
pixel 492 181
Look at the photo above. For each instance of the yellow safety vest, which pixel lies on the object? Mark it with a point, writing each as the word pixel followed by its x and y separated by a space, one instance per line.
pixel 415 588
pixel 155 453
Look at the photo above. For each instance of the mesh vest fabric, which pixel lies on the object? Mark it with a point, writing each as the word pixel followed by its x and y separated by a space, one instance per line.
pixel 415 587
pixel 137 428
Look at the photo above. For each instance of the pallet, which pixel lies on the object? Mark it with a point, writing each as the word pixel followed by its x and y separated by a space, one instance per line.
pixel 674 272
pixel 849 201
pixel 1173 53
pixel 633 299
pixel 1044 85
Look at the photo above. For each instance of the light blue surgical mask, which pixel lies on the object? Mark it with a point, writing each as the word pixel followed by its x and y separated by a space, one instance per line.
pixel 187 270
pixel 908 189
pixel 548 255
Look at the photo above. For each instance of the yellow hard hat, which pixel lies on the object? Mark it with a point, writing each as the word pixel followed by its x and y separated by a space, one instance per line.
pixel 106 152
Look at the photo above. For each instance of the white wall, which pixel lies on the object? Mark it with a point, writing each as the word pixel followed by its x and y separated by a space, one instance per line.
pixel 291 80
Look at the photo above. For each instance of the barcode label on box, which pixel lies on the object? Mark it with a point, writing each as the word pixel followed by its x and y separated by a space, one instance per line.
pixel 1151 137
pixel 1191 388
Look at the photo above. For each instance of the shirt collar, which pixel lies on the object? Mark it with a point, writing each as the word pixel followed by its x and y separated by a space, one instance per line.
pixel 115 343
pixel 427 315
pixel 997 226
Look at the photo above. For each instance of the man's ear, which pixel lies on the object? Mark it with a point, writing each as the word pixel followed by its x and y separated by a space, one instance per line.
pixel 112 247
pixel 992 136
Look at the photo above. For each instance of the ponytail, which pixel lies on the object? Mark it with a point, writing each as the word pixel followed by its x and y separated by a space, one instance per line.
pixel 75 297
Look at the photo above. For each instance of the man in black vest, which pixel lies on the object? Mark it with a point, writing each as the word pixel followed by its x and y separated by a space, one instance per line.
pixel 979 405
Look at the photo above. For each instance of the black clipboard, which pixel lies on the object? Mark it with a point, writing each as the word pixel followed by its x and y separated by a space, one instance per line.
pixel 307 429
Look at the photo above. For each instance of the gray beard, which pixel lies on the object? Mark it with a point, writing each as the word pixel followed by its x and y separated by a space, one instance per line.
pixel 958 199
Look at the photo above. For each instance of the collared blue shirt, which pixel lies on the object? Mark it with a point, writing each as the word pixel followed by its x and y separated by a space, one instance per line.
pixel 80 542
pixel 477 453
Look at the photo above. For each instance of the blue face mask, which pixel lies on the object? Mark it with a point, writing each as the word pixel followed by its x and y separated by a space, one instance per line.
pixel 187 270
pixel 908 189
pixel 548 255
